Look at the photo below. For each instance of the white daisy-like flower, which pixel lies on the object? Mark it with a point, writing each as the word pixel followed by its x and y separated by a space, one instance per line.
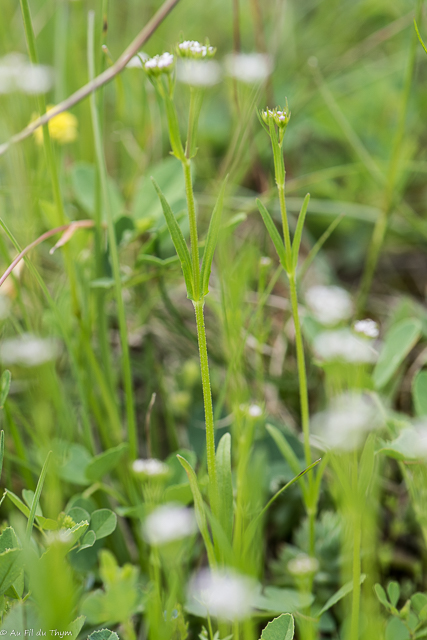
pixel 168 523
pixel 223 594
pixel 250 68
pixel 329 305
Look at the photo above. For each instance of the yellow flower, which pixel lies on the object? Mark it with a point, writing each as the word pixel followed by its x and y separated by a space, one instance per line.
pixel 62 127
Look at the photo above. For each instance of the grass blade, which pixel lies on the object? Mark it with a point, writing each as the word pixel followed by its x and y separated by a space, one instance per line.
pixel 36 498
pixel 178 240
pixel 274 234
pixel 212 239
pixel 1 450
pixel 298 231
pixel 319 244
pixel 199 507
pixel 287 452
pixel 225 484
pixel 419 36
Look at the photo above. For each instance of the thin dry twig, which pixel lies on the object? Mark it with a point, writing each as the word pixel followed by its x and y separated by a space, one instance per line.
pixel 100 80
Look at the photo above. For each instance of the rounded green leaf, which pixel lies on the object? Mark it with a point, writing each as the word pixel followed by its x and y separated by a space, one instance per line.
pixel 103 522
pixel 419 393
pixel 281 628
pixel 103 634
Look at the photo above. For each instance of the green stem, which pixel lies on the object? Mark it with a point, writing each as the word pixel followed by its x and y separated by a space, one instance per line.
pixel 114 255
pixel 357 538
pixel 194 239
pixel 207 398
pixel 285 224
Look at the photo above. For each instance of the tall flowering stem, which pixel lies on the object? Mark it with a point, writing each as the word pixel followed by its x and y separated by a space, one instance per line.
pixel 160 72
pixel 275 121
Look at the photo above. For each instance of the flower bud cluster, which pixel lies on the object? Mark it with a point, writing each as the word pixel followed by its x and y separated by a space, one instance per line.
pixel 159 64
pixel 195 50
pixel 279 116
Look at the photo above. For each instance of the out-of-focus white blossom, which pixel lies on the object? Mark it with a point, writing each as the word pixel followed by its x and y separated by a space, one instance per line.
pixel 303 565
pixel 250 68
pixel 367 327
pixel 28 350
pixel 223 594
pixel 343 345
pixel 344 426
pixel 136 62
pixel 150 468
pixel 18 74
pixel 254 410
pixel 329 305
pixel 169 522
pixel 198 73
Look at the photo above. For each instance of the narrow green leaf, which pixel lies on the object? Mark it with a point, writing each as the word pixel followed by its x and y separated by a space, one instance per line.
pixel 76 626
pixel 199 507
pixel 281 628
pixel 279 165
pixel 4 386
pixel 339 595
pixel 287 452
pixel 178 241
pixel 174 134
pixel 195 107
pixel 212 239
pixel 225 484
pixel 36 498
pixel 298 231
pixel 419 393
pixel 318 245
pixel 274 234
pixel 1 450
pixel 419 37
pixel 398 342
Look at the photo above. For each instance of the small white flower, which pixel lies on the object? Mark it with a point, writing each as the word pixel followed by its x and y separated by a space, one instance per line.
pixel 344 426
pixel 169 522
pixel 28 350
pixel 368 327
pixel 255 410
pixel 223 594
pixel 329 305
pixel 150 468
pixel 303 565
pixel 265 261
pixel 136 62
pixel 159 64
pixel 198 73
pixel 342 344
pixel 250 68
pixel 193 49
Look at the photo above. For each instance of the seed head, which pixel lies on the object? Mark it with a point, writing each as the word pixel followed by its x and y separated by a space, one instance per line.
pixel 279 116
pixel 195 50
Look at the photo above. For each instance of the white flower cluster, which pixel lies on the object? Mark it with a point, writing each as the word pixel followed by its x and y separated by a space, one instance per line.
pixel 279 116
pixel 223 594
pixel 367 327
pixel 193 49
pixel 198 73
pixel 329 305
pixel 168 523
pixel 159 64
pixel 18 74
pixel 344 426
pixel 343 345
pixel 249 68
pixel 150 468
pixel 28 350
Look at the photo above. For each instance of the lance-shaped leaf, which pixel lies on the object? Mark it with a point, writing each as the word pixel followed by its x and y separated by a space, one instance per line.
pixel 281 628
pixel 419 37
pixel 274 234
pixel 298 232
pixel 199 508
pixel 4 387
pixel 319 244
pixel 36 498
pixel 178 240
pixel 174 134
pixel 279 165
pixel 196 101
pixel 212 239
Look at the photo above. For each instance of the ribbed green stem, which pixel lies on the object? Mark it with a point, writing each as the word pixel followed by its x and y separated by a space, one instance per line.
pixel 355 610
pixel 207 399
pixel 285 223
pixel 194 239
pixel 114 255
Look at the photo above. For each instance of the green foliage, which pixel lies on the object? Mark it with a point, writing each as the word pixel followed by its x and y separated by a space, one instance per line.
pixel 399 340
pixel 281 628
